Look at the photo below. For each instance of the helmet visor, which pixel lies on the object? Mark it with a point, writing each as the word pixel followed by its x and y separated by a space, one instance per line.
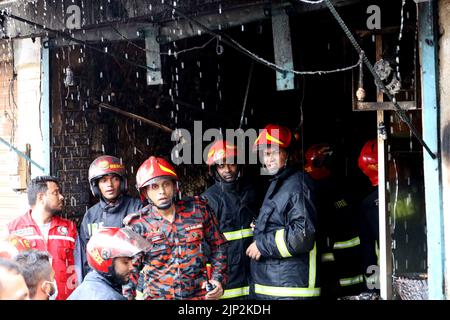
pixel 127 243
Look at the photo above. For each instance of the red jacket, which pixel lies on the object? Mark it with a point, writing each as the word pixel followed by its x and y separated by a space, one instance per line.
pixel 60 245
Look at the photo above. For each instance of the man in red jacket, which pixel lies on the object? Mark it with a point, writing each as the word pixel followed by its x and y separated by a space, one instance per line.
pixel 46 231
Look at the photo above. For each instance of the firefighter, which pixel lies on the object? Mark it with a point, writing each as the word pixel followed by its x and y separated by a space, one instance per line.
pixel 284 251
pixel 233 200
pixel 175 266
pixel 108 183
pixel 368 163
pixel 338 225
pixel 45 230
pixel 109 254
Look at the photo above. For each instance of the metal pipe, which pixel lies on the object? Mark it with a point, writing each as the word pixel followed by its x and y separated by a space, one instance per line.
pixel 21 154
pixel 134 116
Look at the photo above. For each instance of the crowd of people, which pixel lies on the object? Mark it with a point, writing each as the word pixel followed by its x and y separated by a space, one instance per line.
pixel 306 238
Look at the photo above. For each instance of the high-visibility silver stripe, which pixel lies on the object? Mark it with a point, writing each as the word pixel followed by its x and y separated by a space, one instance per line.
pixel 34 237
pixel 351 281
pixel 326 257
pixel 286 291
pixel 281 244
pixel 235 292
pixel 61 238
pixel 238 234
pixel 347 244
pixel 312 267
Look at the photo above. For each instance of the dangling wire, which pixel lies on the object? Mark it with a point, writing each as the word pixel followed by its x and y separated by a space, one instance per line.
pixel 361 93
pixel 399 110
pixel 250 74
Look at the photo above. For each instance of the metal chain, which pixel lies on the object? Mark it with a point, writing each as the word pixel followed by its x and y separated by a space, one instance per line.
pixel 400 112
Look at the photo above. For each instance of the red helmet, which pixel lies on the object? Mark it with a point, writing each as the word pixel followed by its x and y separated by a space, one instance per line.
pixel 153 168
pixel 318 157
pixel 220 151
pixel 109 243
pixel 105 165
pixel 273 134
pixel 368 161
pixel 12 245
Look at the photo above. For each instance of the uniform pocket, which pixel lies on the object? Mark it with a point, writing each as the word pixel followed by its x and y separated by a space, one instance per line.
pixel 159 243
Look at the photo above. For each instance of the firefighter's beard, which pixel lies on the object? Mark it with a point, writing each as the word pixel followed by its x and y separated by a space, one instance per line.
pixel 119 279
pixel 53 211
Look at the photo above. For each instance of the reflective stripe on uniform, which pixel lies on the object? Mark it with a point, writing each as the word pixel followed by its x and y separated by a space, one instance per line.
pixel 61 238
pixel 35 237
pixel 311 291
pixel 377 252
pixel 351 281
pixel 312 267
pixel 236 292
pixel 286 291
pixel 238 234
pixel 327 257
pixel 347 244
pixel 281 244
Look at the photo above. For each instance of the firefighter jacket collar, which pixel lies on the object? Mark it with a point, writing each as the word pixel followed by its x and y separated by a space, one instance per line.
pixel 283 173
pixel 112 207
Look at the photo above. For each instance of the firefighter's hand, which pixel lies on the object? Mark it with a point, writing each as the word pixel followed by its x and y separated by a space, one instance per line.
pixel 216 293
pixel 253 251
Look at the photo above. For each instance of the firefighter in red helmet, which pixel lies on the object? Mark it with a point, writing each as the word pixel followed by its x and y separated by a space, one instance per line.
pixel 368 163
pixel 109 253
pixel 178 231
pixel 338 224
pixel 233 199
pixel 284 251
pixel 108 182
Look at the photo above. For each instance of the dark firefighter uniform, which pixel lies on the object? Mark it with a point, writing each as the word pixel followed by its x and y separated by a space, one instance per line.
pixel 370 238
pixel 104 215
pixel 234 204
pixel 341 257
pixel 175 266
pixel 285 236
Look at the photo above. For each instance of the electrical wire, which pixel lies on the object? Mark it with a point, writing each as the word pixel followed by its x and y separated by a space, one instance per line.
pixel 400 112
pixel 67 36
pixel 237 46
pixel 175 53
pixel 311 2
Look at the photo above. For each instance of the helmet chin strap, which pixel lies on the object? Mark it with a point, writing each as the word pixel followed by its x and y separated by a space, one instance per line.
pixel 165 206
pixel 162 207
